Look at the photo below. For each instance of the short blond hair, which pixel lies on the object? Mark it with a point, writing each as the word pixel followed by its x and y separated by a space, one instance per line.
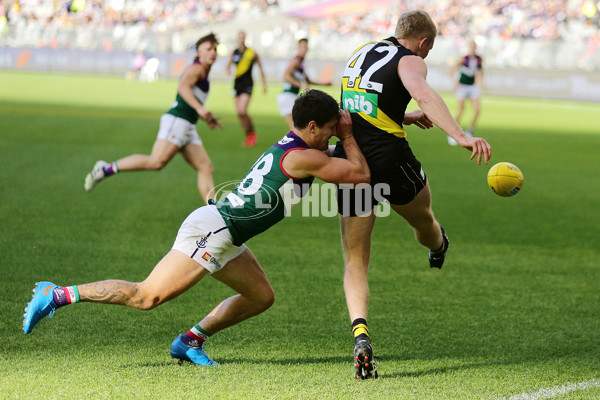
pixel 415 24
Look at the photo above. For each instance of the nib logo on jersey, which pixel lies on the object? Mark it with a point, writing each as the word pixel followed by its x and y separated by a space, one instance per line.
pixel 360 102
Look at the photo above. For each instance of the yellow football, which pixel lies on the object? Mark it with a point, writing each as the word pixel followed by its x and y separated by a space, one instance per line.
pixel 505 179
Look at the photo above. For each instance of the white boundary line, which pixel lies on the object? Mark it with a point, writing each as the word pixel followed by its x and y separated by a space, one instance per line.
pixel 547 393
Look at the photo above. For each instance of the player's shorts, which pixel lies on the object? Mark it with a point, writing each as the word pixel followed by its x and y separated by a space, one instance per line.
pixel 467 92
pixel 398 184
pixel 178 131
pixel 204 237
pixel 285 101
pixel 241 88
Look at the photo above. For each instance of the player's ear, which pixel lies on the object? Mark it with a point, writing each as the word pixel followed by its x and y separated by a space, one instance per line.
pixel 423 42
pixel 312 126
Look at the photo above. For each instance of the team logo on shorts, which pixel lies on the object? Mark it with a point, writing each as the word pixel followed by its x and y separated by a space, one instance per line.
pixel 202 242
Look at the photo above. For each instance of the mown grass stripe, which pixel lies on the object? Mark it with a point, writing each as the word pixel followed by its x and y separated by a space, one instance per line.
pixel 550 392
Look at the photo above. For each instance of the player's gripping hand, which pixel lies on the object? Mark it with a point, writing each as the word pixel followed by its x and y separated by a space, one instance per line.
pixel 211 120
pixel 343 129
pixel 479 147
pixel 418 118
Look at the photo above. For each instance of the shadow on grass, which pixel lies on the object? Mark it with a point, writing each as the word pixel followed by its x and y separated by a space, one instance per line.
pixel 437 370
pixel 328 360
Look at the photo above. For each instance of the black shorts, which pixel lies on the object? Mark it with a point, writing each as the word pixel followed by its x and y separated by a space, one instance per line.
pixel 242 87
pixel 398 183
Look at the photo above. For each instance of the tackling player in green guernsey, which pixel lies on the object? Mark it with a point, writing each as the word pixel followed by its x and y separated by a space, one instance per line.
pixel 211 239
pixel 379 81
pixel 177 132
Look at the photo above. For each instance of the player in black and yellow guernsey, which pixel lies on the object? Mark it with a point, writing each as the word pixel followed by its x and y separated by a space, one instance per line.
pixel 379 81
pixel 244 59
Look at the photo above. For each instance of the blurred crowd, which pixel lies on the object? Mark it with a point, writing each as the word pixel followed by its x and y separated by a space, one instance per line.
pixel 163 14
pixel 45 23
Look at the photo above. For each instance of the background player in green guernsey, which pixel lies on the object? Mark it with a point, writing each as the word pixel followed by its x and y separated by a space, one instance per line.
pixel 177 132
pixel 468 86
pixel 211 239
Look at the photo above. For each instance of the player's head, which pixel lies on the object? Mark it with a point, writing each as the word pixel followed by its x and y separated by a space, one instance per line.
pixel 472 46
pixel 314 105
pixel 241 38
pixel 302 47
pixel 315 115
pixel 206 49
pixel 418 27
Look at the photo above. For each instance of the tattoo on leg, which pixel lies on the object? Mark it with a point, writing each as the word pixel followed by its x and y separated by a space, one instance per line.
pixel 111 292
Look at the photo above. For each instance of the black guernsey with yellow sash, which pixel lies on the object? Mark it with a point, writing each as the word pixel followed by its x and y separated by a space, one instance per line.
pixel 244 61
pixel 376 97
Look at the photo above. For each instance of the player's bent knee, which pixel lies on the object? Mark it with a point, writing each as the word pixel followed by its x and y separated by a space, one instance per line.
pixel 206 168
pixel 145 299
pixel 157 165
pixel 265 300
pixel 148 304
pixel 422 222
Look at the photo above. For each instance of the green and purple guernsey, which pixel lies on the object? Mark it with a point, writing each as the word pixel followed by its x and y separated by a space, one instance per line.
pixel 468 69
pixel 181 109
pixel 298 74
pixel 261 199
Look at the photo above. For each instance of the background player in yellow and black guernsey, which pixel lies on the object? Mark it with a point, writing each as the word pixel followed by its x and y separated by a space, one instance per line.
pixel 211 239
pixel 177 132
pixel 379 80
pixel 295 79
pixel 468 86
pixel 244 59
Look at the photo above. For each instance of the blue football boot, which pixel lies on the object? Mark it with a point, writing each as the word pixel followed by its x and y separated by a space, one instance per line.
pixel 183 352
pixel 41 304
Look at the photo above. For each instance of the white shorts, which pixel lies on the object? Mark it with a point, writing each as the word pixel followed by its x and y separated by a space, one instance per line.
pixel 285 101
pixel 467 92
pixel 178 131
pixel 204 237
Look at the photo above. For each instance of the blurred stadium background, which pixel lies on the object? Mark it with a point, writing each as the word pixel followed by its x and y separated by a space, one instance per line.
pixel 536 48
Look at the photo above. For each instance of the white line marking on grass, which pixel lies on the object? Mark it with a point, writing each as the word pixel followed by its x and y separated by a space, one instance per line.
pixel 547 393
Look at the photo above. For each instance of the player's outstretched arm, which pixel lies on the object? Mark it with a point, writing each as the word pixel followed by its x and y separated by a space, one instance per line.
pixel 413 71
pixel 311 82
pixel 262 72
pixel 304 163
pixel 418 118
pixel 288 75
pixel 312 162
pixel 193 74
pixel 229 63
pixel 453 71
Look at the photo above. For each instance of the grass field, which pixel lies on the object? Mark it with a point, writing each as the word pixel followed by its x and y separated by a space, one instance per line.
pixel 515 309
